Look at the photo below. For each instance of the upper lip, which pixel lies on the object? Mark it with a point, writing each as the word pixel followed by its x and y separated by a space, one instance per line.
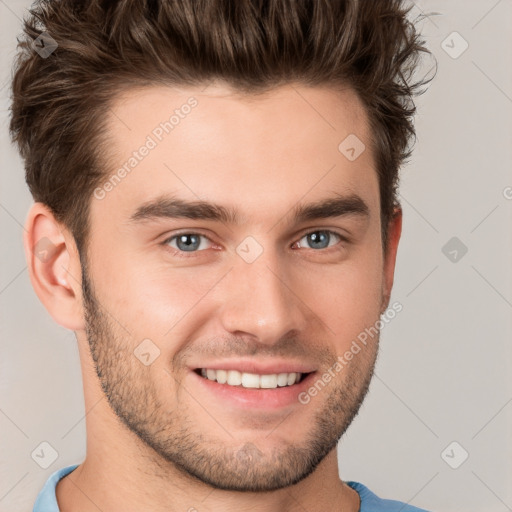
pixel 259 367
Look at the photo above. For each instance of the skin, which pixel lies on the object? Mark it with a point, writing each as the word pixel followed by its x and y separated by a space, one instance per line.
pixel 156 439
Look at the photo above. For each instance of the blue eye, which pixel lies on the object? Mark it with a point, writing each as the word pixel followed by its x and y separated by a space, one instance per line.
pixel 191 242
pixel 186 242
pixel 320 239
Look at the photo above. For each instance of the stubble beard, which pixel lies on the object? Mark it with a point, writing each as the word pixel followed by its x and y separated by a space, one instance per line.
pixel 177 439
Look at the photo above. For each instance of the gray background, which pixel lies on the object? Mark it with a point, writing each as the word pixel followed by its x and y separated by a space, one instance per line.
pixel 442 371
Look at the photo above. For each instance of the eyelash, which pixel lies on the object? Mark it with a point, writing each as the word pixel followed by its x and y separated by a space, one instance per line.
pixel 192 254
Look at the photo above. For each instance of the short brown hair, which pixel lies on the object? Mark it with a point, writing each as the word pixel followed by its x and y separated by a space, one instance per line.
pixel 59 103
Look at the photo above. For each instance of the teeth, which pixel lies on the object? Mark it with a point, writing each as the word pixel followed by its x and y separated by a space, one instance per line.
pixel 234 378
pixel 268 381
pixel 282 379
pixel 251 380
pixel 222 376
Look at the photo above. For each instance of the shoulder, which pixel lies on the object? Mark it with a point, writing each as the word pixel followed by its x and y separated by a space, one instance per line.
pixel 46 500
pixel 370 502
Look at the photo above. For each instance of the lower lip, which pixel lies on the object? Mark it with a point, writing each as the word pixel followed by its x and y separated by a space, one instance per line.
pixel 256 398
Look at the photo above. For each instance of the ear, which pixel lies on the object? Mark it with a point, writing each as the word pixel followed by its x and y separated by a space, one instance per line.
pixel 394 232
pixel 54 266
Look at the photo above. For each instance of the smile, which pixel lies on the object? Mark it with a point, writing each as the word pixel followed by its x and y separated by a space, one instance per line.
pixel 251 380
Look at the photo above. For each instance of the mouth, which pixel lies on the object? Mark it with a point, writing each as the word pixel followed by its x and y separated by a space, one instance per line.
pixel 253 386
pixel 237 379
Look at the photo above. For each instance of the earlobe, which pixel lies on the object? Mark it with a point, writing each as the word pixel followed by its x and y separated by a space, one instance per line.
pixel 54 266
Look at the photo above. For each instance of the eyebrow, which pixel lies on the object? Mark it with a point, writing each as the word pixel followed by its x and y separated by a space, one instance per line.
pixel 172 207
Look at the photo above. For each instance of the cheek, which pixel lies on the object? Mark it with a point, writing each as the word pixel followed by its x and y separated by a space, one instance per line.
pixel 159 302
pixel 352 298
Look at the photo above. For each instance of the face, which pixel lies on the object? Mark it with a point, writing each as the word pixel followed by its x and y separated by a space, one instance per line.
pixel 209 325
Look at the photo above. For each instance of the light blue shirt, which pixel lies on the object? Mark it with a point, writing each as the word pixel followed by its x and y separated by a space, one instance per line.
pixel 47 501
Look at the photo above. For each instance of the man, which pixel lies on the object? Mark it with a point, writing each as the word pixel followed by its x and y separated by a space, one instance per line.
pixel 215 217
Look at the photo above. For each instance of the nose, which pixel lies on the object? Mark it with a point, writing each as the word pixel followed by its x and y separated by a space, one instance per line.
pixel 261 301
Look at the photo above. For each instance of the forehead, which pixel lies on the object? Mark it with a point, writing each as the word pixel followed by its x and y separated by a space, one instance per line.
pixel 256 152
